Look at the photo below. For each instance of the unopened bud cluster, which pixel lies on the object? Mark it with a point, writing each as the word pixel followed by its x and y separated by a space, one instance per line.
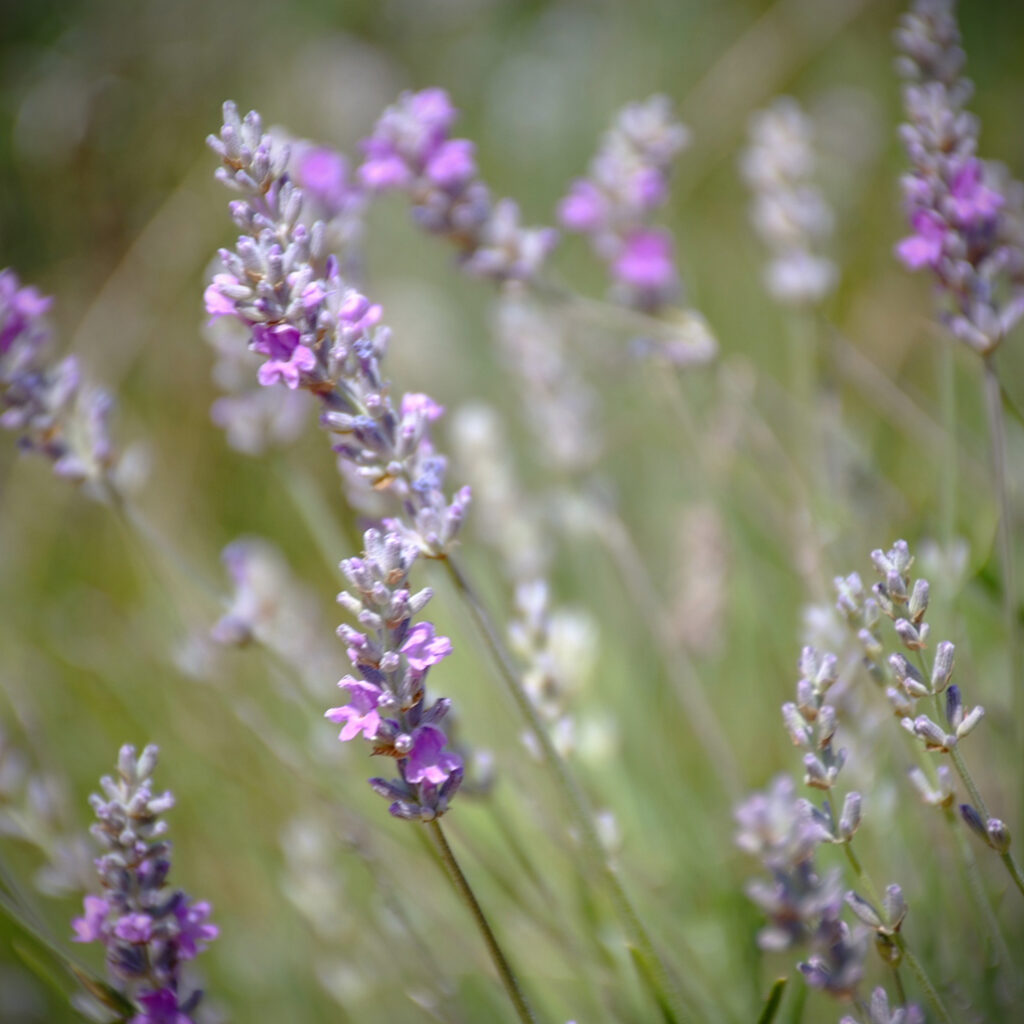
pixel 905 603
pixel 788 212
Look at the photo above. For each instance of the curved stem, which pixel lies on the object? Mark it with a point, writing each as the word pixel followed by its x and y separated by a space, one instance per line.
pixel 573 798
pixel 465 891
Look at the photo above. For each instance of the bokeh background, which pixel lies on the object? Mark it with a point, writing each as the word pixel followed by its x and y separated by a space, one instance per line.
pixel 328 909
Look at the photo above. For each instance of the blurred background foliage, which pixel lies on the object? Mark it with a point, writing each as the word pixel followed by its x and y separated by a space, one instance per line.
pixel 327 908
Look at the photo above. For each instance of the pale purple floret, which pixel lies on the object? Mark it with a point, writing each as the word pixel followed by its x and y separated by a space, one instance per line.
pixel 428 761
pixel 162 1007
pixel 418 404
pixel 134 928
pixel 924 247
pixel 20 309
pixel 88 927
pixel 422 649
pixel 287 360
pixel 323 174
pixel 360 714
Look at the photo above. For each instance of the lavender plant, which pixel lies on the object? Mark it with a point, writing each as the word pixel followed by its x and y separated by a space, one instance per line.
pixel 148 931
pixel 643 709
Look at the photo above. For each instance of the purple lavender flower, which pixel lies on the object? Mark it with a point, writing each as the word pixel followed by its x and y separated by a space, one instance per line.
pixel 410 151
pixel 148 930
pixel 966 229
pixel 321 336
pixel 628 181
pixel 56 414
pixel 388 704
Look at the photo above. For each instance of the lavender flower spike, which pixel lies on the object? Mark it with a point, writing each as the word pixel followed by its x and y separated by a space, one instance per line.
pixel 966 227
pixel 410 151
pixel 55 413
pixel 387 704
pixel 614 204
pixel 318 335
pixel 148 930
pixel 788 212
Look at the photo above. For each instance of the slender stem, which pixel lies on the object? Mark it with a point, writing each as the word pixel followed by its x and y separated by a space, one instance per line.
pixel 947 384
pixel 997 442
pixel 572 796
pixel 682 673
pixel 930 991
pixel 463 888
pixel 924 981
pixel 897 982
pixel 981 901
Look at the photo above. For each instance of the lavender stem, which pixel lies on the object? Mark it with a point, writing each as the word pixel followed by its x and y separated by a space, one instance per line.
pixel 572 796
pixel 997 442
pixel 929 989
pixel 465 891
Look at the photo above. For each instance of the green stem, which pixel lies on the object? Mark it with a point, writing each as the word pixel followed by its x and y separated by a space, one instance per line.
pixel 925 982
pixel 465 891
pixel 981 901
pixel 997 443
pixel 572 796
pixel 700 714
pixel 930 991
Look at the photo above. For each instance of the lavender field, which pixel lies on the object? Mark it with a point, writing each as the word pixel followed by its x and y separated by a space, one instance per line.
pixel 511 511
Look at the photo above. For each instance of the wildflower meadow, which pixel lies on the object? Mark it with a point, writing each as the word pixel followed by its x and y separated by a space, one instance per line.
pixel 511 511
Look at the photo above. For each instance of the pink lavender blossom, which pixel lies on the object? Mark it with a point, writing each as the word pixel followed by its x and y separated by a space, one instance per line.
pixel 360 714
pixel 613 206
pixel 88 927
pixel 422 649
pixel 410 151
pixel 287 360
pixel 924 247
pixel 646 264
